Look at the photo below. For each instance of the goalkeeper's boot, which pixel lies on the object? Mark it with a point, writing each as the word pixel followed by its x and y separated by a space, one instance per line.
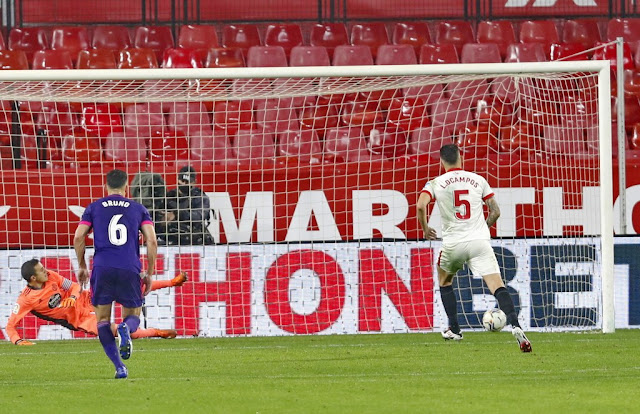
pixel 126 346
pixel 449 335
pixel 121 372
pixel 523 341
pixel 180 279
pixel 166 333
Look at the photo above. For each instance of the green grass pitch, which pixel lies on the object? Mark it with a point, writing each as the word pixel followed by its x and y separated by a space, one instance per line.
pixel 391 373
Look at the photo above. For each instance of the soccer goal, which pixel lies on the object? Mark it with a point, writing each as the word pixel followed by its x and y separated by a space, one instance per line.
pixel 313 174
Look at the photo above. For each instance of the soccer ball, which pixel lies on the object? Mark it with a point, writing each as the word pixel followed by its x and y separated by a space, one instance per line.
pixel 494 320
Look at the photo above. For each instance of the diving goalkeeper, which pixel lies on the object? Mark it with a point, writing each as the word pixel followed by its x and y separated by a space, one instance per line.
pixel 51 297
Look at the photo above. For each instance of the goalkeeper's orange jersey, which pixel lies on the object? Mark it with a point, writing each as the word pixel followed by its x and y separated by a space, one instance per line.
pixel 44 302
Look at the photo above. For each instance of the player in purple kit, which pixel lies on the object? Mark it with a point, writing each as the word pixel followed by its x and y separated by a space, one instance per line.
pixel 115 277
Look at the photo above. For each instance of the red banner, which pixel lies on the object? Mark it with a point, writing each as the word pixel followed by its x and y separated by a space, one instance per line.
pixel 315 203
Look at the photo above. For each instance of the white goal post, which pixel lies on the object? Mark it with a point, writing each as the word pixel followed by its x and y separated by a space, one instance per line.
pixel 379 232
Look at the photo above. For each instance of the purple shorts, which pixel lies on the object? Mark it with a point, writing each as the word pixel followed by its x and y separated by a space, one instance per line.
pixel 110 284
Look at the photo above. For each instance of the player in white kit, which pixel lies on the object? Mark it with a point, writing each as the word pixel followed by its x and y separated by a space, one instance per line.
pixel 461 196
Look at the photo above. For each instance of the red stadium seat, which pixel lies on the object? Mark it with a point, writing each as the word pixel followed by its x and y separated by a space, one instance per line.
pixel 634 141
pixel 137 58
pixel 408 114
pixel 70 38
pixel 468 92
pixel 80 148
pixel 266 56
pixel 286 35
pixel 303 144
pixel 253 146
pixel 230 116
pixel 346 144
pixel 172 146
pixel 396 55
pixel 13 60
pixel 581 31
pixel 480 53
pixel 608 52
pixel 329 35
pixel 372 35
pixel 544 32
pixel 309 56
pixel 477 140
pixel 518 137
pixel 6 109
pixel 352 55
pixel 189 119
pixel 430 94
pixel 390 142
pixel 224 58
pixel 96 59
pixel 198 37
pixel 429 140
pixel 111 37
pixel 362 114
pixel 212 148
pixel 276 115
pixel 181 58
pixel 453 114
pixel 631 111
pixel 446 53
pixel 119 147
pixel 52 59
pixel 628 29
pixel 454 32
pixel 319 116
pixel 144 120
pixel 29 40
pixel 520 52
pixel 499 32
pixel 415 34
pixel 241 36
pixel 156 38
pixel 569 51
pixel 101 119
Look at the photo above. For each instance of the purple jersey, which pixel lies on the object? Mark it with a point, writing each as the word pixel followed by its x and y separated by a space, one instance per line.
pixel 116 223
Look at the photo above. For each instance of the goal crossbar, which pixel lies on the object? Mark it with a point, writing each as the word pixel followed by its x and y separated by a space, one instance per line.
pixel 304 72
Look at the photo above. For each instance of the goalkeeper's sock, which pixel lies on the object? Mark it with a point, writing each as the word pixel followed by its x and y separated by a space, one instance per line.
pixel 160 284
pixel 144 333
pixel 506 304
pixel 132 321
pixel 448 297
pixel 108 343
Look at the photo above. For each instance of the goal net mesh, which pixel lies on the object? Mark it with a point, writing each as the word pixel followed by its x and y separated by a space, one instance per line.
pixel 312 185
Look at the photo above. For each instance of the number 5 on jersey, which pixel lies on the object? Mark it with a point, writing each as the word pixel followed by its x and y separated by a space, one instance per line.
pixel 462 206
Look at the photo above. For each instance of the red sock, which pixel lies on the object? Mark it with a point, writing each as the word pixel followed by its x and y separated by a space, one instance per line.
pixel 160 284
pixel 144 333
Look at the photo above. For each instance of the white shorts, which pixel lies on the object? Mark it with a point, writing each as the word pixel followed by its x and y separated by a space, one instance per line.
pixel 478 254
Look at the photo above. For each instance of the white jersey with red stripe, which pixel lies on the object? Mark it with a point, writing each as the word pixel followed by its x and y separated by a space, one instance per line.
pixel 460 196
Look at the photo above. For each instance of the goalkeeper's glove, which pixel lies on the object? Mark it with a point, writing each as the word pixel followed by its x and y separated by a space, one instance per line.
pixel 68 302
pixel 24 342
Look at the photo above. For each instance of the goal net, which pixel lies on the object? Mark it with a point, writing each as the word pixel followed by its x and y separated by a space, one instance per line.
pixel 311 177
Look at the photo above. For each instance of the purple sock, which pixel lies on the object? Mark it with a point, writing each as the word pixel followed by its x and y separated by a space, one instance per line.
pixel 132 322
pixel 108 343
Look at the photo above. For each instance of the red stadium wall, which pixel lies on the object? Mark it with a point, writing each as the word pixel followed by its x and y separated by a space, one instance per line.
pixel 39 202
pixel 73 11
